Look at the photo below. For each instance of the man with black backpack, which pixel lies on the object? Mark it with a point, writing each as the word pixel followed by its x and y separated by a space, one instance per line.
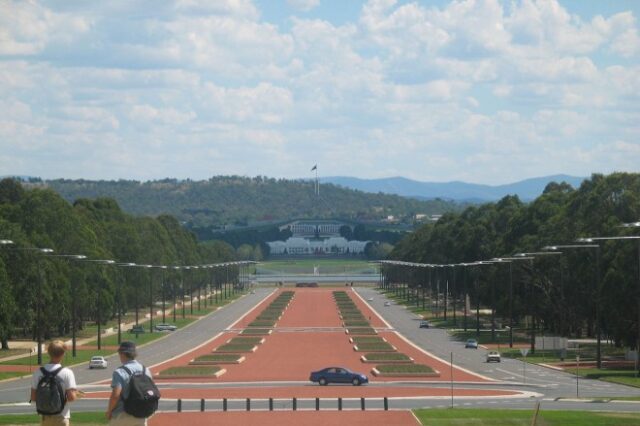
pixel 52 387
pixel 134 396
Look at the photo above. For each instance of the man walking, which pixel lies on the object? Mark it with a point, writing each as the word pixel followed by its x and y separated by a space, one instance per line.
pixel 121 385
pixel 53 386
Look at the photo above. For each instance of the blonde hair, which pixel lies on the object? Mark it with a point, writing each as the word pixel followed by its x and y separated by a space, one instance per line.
pixel 56 348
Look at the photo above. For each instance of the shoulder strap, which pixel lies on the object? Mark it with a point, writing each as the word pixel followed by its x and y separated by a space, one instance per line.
pixel 129 372
pixel 52 373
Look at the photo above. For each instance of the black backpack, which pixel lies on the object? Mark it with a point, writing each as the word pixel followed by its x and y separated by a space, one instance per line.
pixel 50 396
pixel 144 395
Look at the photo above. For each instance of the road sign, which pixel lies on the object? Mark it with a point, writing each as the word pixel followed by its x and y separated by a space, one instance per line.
pixel 524 351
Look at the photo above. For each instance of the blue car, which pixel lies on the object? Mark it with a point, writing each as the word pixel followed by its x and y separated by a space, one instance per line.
pixel 337 375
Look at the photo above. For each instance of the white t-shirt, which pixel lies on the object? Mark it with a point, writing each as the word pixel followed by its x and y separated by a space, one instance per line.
pixel 67 378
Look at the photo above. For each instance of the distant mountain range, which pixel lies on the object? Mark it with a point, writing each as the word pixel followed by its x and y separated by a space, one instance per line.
pixel 526 190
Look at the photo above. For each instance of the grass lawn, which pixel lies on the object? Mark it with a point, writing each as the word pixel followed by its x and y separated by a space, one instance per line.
pixel 404 368
pixel 361 330
pixel 4 353
pixel 145 337
pixel 375 347
pixel 190 371
pixel 325 266
pixel 10 374
pixel 231 347
pixel 82 355
pixel 87 419
pixel 449 417
pixel 386 357
pixel 255 332
pixel 219 357
pixel 613 375
pixel 367 339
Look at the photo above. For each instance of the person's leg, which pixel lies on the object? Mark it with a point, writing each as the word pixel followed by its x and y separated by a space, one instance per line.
pixel 56 420
pixel 124 419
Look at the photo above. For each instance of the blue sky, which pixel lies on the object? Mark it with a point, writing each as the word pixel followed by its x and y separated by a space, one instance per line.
pixel 482 91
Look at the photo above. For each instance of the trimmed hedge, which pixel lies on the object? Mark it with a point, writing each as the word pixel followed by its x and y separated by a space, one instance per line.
pixel 356 323
pixel 262 323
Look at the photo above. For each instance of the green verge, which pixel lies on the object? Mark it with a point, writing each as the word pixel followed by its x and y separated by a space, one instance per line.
pixel 90 418
pixel 386 357
pixel 255 332
pixel 621 376
pixel 404 368
pixel 142 338
pixel 480 417
pixel 374 347
pixel 245 340
pixel 356 323
pixel 361 330
pixel 219 357
pixel 229 347
pixel 11 374
pixel 367 339
pixel 262 323
pixel 82 355
pixel 190 371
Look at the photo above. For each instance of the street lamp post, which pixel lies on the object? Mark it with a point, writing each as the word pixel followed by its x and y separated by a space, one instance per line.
pixel 597 296
pixel 626 238
pixel 125 265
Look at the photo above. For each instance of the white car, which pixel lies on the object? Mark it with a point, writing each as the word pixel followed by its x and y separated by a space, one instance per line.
pixel 387 303
pixel 97 362
pixel 165 327
pixel 493 356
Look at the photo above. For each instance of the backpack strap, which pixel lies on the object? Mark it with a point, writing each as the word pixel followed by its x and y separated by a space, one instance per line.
pixel 52 373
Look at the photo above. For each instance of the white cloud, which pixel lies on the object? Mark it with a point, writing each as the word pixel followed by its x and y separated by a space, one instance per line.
pixel 303 5
pixel 482 90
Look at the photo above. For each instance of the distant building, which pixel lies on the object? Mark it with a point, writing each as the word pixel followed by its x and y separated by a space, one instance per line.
pixel 316 237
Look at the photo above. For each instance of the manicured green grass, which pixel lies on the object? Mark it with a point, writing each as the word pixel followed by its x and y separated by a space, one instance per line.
pixel 356 323
pixel 4 353
pixel 613 375
pixel 325 266
pixel 375 347
pixel 229 347
pixel 190 371
pixel 392 356
pixel 145 337
pixel 262 323
pixel 404 368
pixel 245 340
pixel 11 374
pixel 255 332
pixel 219 357
pixel 355 331
pixel 82 355
pixel 367 339
pixel 87 419
pixel 456 417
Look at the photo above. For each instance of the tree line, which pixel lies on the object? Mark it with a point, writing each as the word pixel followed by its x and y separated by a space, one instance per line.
pixel 222 203
pixel 567 294
pixel 96 228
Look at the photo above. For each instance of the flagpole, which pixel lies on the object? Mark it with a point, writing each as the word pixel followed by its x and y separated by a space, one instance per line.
pixel 317 184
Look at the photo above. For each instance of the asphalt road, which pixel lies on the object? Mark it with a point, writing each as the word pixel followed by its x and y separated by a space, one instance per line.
pixel 172 345
pixel 554 389
pixel 551 383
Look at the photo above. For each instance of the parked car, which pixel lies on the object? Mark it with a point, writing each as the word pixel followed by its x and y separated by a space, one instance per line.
pixel 337 375
pixel 97 362
pixel 424 324
pixel 370 299
pixel 165 327
pixel 136 329
pixel 493 356
pixel 471 344
pixel 387 303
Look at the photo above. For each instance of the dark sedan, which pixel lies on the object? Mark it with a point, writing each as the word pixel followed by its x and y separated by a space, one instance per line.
pixel 337 375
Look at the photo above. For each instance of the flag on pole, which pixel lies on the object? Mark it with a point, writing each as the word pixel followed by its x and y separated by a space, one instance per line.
pixel 314 167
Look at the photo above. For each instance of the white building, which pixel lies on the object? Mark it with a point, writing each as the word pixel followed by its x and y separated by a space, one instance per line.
pixel 316 238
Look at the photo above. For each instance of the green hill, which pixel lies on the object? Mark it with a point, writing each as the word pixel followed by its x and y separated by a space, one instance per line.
pixel 226 202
